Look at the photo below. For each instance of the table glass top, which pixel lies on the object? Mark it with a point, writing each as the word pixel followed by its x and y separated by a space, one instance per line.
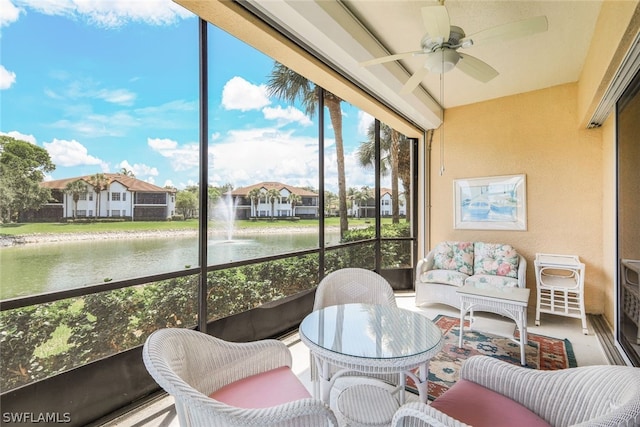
pixel 371 331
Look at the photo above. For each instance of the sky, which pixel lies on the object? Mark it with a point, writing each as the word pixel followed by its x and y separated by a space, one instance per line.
pixel 109 84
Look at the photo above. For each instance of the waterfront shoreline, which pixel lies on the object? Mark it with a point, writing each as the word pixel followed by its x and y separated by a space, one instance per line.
pixel 43 238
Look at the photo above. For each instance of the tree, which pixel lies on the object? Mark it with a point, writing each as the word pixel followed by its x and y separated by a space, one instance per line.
pixel 329 202
pixel 186 203
pixel 353 194
pixel 127 172
pixel 295 200
pixel 391 142
pixel 254 196
pixel 22 168
pixel 272 196
pixel 75 189
pixel 364 196
pixel 100 183
pixel 291 87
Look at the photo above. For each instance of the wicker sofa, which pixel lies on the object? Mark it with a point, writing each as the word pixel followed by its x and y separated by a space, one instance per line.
pixel 495 393
pixel 452 264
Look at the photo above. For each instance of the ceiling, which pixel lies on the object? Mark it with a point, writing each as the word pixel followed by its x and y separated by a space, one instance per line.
pixel 346 32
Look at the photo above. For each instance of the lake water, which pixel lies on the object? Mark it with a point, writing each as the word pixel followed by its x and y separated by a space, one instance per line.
pixel 35 268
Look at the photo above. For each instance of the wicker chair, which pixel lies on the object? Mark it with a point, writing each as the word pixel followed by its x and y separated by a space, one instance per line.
pixel 589 396
pixel 353 285
pixel 191 366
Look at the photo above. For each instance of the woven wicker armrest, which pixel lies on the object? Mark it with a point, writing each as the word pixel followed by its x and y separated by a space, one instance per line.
pixel 585 396
pixel 417 414
pixel 191 365
pixel 424 264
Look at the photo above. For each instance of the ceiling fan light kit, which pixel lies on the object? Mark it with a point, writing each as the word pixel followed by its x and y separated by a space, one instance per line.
pixel 441 61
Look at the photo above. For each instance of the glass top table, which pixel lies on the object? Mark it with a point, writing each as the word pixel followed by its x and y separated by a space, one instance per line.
pixel 371 339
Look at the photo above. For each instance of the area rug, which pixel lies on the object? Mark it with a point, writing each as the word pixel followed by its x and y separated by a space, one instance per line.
pixel 541 352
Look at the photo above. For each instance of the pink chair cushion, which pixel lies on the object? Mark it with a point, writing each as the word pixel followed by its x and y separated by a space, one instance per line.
pixel 475 405
pixel 263 390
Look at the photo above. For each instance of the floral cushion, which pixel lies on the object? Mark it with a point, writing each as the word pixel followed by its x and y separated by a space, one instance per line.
pixel 485 281
pixel 495 259
pixel 456 256
pixel 446 277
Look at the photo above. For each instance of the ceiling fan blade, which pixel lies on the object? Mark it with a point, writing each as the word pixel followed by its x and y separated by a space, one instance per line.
pixel 510 31
pixel 476 68
pixel 390 58
pixel 414 81
pixel 436 21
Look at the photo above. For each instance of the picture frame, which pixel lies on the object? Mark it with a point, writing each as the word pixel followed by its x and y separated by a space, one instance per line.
pixel 490 203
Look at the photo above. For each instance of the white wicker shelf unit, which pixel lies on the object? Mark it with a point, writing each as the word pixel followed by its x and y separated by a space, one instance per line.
pixel 560 286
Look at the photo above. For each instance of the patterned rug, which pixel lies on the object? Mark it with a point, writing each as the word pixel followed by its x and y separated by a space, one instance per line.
pixel 541 353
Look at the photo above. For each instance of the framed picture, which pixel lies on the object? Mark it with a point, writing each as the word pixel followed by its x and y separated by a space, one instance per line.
pixel 490 203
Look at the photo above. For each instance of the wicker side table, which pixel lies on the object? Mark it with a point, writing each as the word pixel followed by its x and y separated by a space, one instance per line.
pixel 366 405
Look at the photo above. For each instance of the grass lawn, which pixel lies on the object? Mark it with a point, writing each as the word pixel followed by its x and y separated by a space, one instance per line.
pixel 192 224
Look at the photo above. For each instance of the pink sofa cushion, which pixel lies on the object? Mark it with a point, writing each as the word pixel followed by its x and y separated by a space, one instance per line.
pixel 263 390
pixel 475 405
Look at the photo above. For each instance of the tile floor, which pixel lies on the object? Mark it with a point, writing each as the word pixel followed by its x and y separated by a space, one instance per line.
pixel 160 412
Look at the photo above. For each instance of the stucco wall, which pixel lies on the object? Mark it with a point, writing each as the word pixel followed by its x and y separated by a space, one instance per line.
pixel 536 134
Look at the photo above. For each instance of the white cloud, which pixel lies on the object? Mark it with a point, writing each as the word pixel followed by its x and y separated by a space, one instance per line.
pixel 7 78
pixel 9 13
pixel 182 157
pixel 97 125
pixel 117 96
pixel 287 115
pixel 140 170
pixel 160 144
pixel 268 155
pixel 21 136
pixel 112 13
pixel 364 121
pixel 87 88
pixel 71 153
pixel 239 94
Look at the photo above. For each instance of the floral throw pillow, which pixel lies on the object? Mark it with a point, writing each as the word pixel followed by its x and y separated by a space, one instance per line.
pixel 454 256
pixel 496 259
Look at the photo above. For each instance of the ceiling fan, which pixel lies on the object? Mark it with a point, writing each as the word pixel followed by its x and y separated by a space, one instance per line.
pixel 442 40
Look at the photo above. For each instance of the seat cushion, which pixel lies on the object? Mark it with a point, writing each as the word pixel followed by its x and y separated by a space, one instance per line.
pixel 475 405
pixel 446 277
pixel 263 390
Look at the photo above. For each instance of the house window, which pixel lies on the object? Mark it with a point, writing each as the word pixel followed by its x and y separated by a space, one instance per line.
pixel 90 196
pixel 115 197
pixel 124 197
pixel 115 212
pixel 82 196
pixel 82 213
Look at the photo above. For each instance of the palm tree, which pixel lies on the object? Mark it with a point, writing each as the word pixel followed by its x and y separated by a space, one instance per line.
pixel 290 86
pixel 127 172
pixel 254 196
pixel 272 196
pixel 353 194
pixel 75 189
pixel 392 143
pixel 295 200
pixel 99 182
pixel 364 197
